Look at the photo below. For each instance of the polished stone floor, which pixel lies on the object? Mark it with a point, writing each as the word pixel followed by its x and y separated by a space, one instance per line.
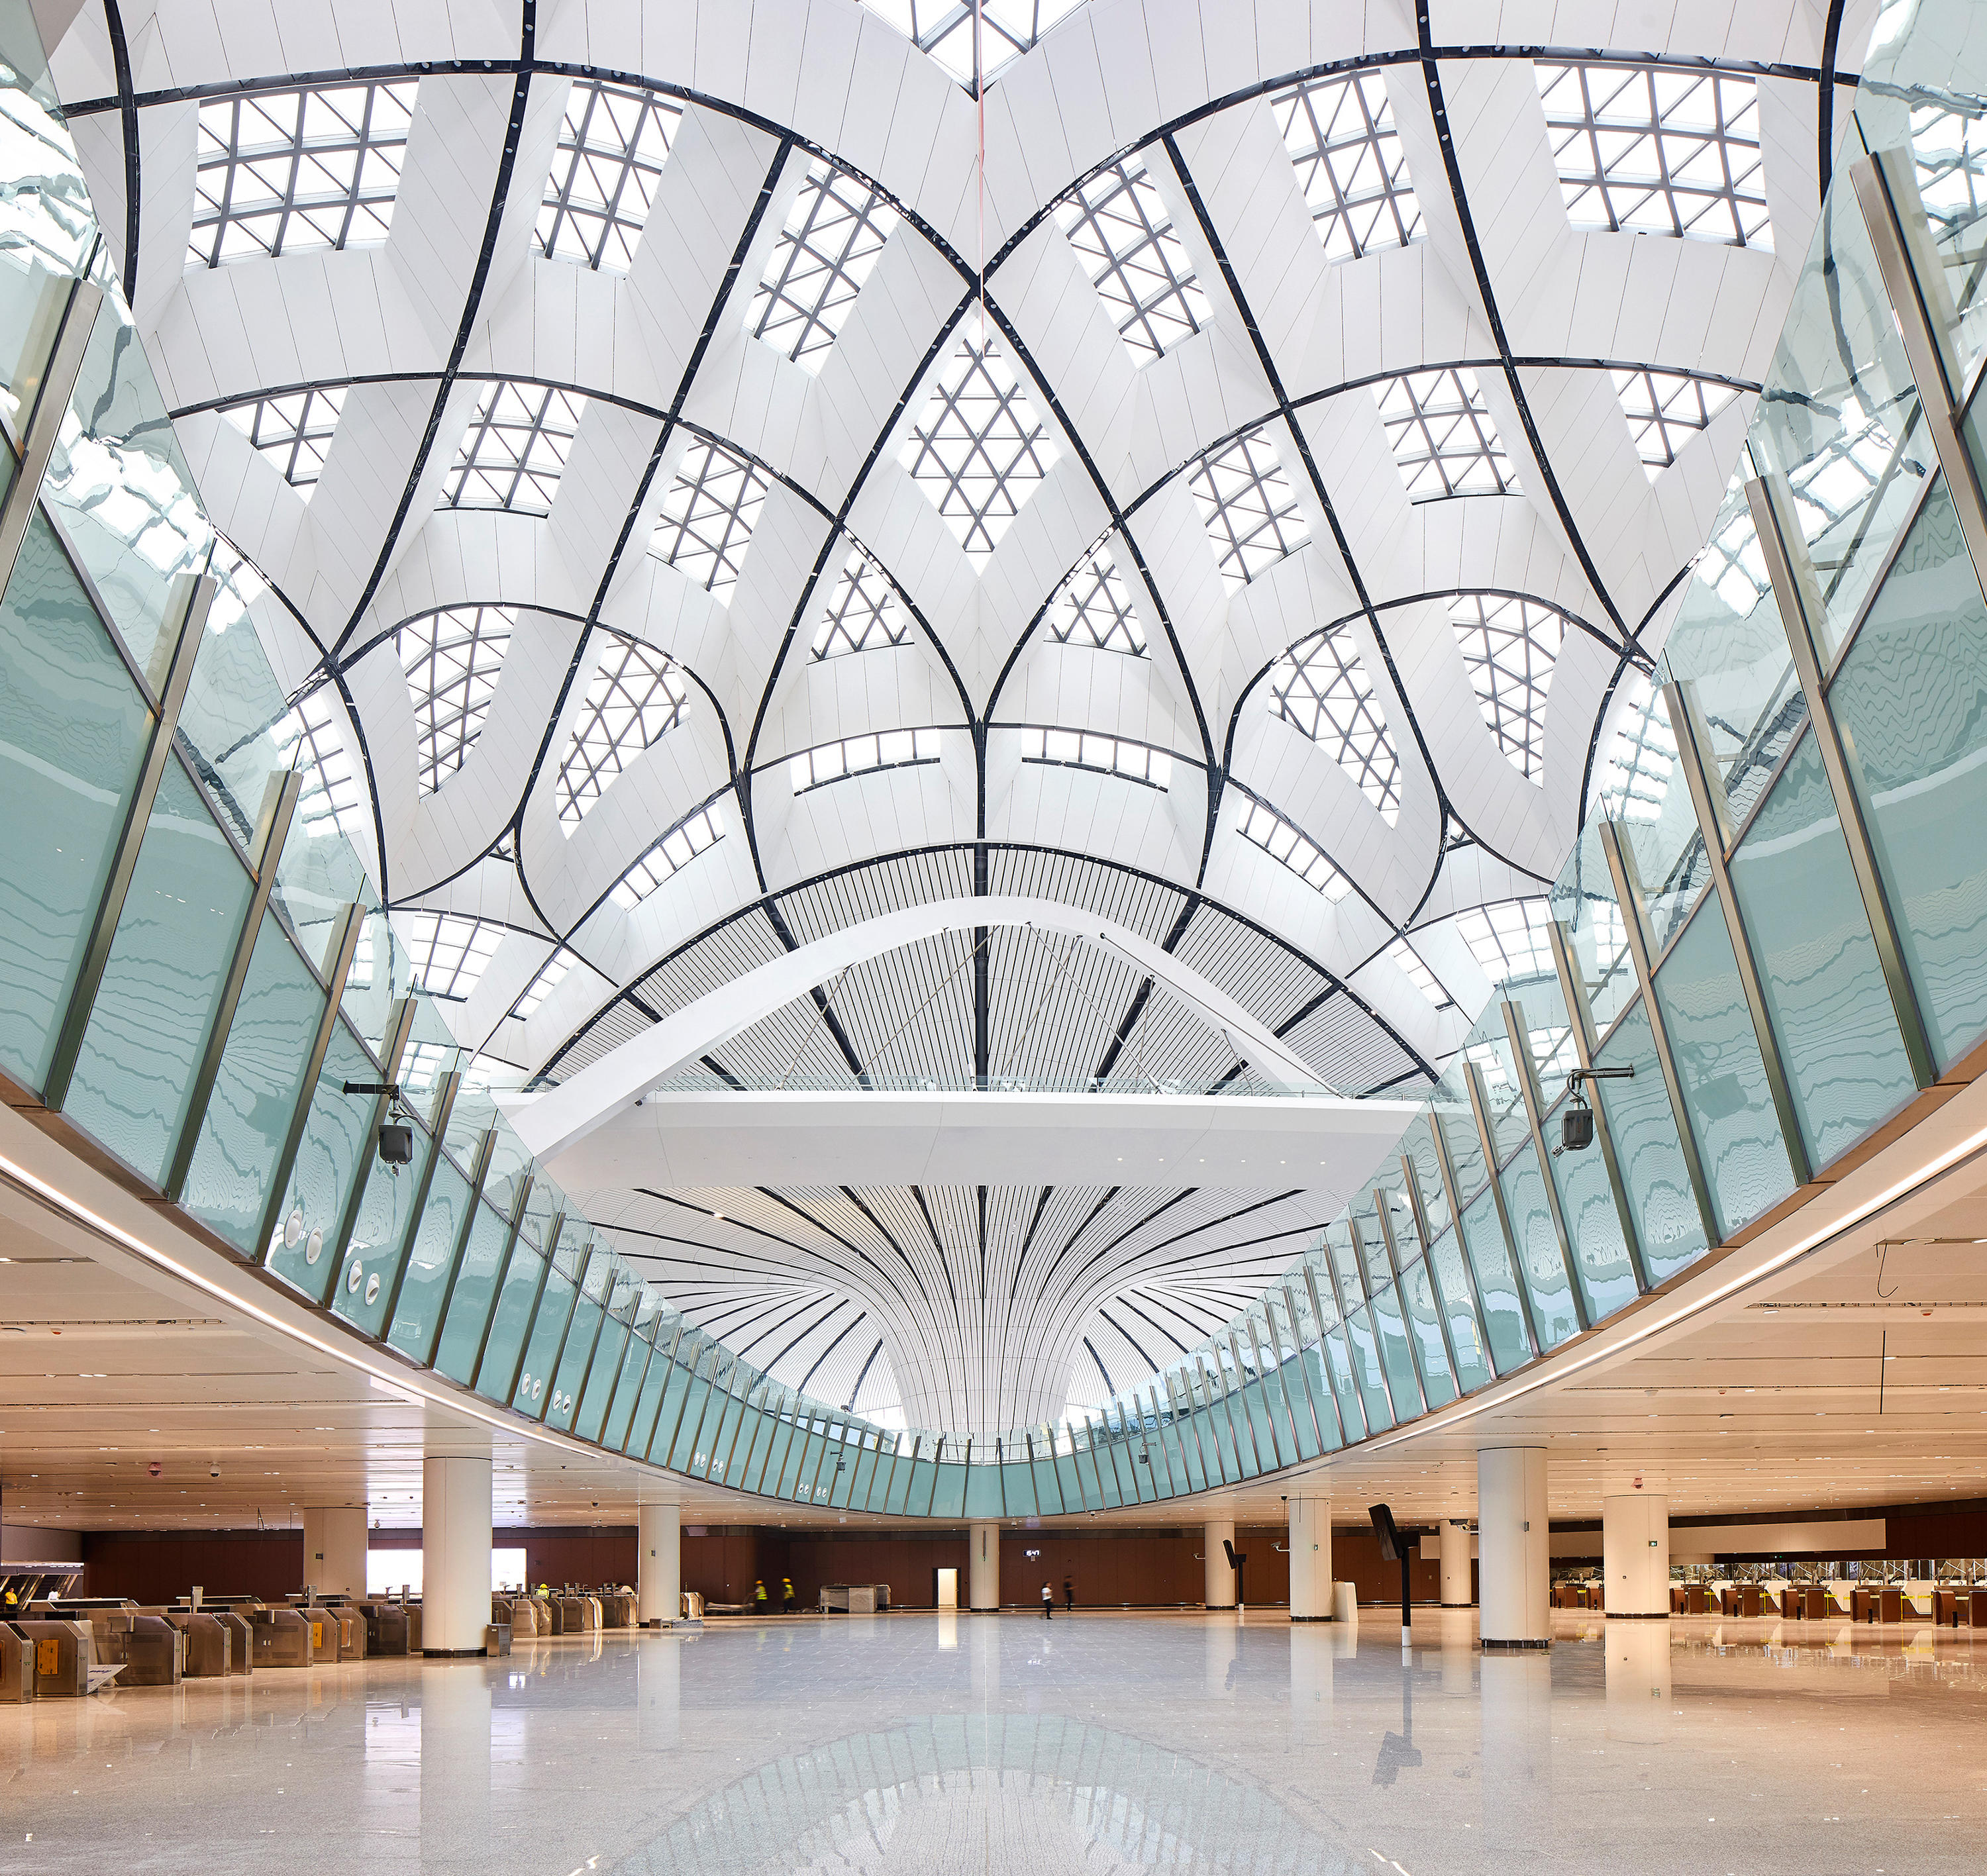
pixel 927 1743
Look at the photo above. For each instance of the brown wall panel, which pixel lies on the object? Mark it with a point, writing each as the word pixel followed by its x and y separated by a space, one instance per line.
pixel 152 1567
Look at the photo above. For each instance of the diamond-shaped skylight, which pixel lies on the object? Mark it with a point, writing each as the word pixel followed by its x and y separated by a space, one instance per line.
pixel 1248 507
pixel 709 514
pixel 1634 778
pixel 1321 687
pixel 308 739
pixel 1663 150
pixel 1094 609
pixel 862 611
pixel 293 430
pixel 637 697
pixel 1510 646
pixel 979 451
pixel 669 855
pixel 514 449
pixel 1665 409
pixel 1282 839
pixel 282 171
pixel 1340 132
pixel 945 29
pixel 835 230
pixel 1124 238
pixel 452 658
pixel 448 953
pixel 1442 435
pixel 611 148
pixel 1510 939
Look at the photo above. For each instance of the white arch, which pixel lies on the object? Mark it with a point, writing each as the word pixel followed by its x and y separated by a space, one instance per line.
pixel 550 1123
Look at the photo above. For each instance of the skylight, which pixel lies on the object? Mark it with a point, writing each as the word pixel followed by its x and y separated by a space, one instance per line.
pixel 1510 939
pixel 1340 135
pixel 280 172
pixel 1322 688
pixel 1665 409
pixel 637 697
pixel 551 973
pixel 448 953
pixel 308 740
pixel 1281 840
pixel 862 611
pixel 709 514
pixel 293 430
pixel 1124 238
pixel 669 855
pixel 1658 150
pixel 1085 749
pixel 1442 434
pixel 945 29
pixel 514 450
pixel 1423 980
pixel 612 147
pixel 1248 507
pixel 834 762
pixel 452 658
pixel 835 230
pixel 979 451
pixel 1634 776
pixel 1094 609
pixel 1510 646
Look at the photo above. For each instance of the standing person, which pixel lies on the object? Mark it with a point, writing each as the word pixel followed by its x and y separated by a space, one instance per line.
pixel 787 1593
pixel 758 1596
pixel 1048 1604
pixel 1069 1594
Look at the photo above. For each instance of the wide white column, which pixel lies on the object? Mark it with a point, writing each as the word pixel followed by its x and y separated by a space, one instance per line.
pixel 1635 1555
pixel 1455 1565
pixel 1311 1559
pixel 658 1563
pixel 455 1559
pixel 1514 1548
pixel 982 1566
pixel 1218 1580
pixel 334 1548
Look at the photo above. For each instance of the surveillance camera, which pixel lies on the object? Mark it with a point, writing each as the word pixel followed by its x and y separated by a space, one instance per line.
pixel 396 1143
pixel 213 1472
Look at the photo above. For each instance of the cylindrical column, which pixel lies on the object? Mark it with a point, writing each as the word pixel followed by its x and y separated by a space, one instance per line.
pixel 455 1563
pixel 1456 1564
pixel 658 1563
pixel 1311 1559
pixel 1218 1577
pixel 1514 1548
pixel 982 1568
pixel 1635 1555
pixel 334 1548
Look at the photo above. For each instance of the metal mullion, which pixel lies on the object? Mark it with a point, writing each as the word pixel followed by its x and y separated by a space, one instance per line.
pixel 1173 1487
pixel 1416 1205
pixel 1096 1471
pixel 1200 1422
pixel 682 1405
pixel 565 1330
pixel 1707 796
pixel 1528 1090
pixel 704 1411
pixel 1402 1303
pixel 890 1484
pixel 546 1257
pixel 789 1429
pixel 607 1419
pixel 931 1498
pixel 1193 1455
pixel 191 598
pixel 1451 1186
pixel 1055 1471
pixel 593 1348
pixel 399 1027
pixel 814 1484
pixel 279 801
pixel 1132 1458
pixel 1282 1372
pixel 1304 1373
pixel 43 429
pixel 519 1200
pixel 669 1355
pixel 763 1418
pixel 1345 1435
pixel 343 946
pixel 745 1407
pixel 1240 1391
pixel 1479 1108
pixel 1793 577
pixel 479 1175
pixel 1227 1410
pixel 1566 961
pixel 1269 1406
pixel 444 1104
pixel 1372 1321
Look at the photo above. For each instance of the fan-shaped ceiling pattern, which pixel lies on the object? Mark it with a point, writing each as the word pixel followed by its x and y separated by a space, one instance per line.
pixel 708 496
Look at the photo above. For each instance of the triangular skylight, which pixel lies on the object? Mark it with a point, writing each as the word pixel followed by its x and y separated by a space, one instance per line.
pixel 448 953
pixel 1248 507
pixel 636 698
pixel 1665 409
pixel 862 611
pixel 709 514
pixel 1510 646
pixel 1340 132
pixel 979 451
pixel 946 29
pixel 1124 238
pixel 452 658
pixel 611 148
pixel 1321 687
pixel 1094 609
pixel 828 247
pixel 514 450
pixel 293 430
pixel 1442 435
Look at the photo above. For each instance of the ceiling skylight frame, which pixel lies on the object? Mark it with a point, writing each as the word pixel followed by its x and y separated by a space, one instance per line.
pixel 448 952
pixel 636 698
pixel 864 613
pixel 453 657
pixel 1248 507
pixel 1287 843
pixel 1510 645
pixel 1342 138
pixel 1442 434
pixel 979 451
pixel 1665 409
pixel 1053 746
pixel 709 515
pixel 309 739
pixel 515 448
pixel 1509 938
pixel 1126 240
pixel 869 754
pixel 944 29
pixel 698 832
pixel 292 429
pixel 1320 688
pixel 1092 609
pixel 834 235
pixel 613 138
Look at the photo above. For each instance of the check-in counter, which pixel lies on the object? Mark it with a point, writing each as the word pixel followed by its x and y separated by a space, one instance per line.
pixel 62 1657
pixel 282 1638
pixel 209 1644
pixel 385 1627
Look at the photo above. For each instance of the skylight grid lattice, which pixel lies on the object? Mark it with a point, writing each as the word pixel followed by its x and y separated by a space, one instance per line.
pixel 448 952
pixel 611 148
pixel 1094 609
pixel 1085 749
pixel 281 172
pixel 1658 150
pixel 708 516
pixel 1322 689
pixel 1283 840
pixel 293 430
pixel 691 835
pixel 1665 409
pixel 834 762
pixel 308 741
pixel 551 973
pixel 1248 507
pixel 514 450
pixel 1442 435
pixel 636 698
pixel 1634 778
pixel 1510 647
pixel 1340 135
pixel 453 658
pixel 1124 238
pixel 828 248
pixel 863 613
pixel 1417 974
pixel 1510 939
pixel 945 29
pixel 979 451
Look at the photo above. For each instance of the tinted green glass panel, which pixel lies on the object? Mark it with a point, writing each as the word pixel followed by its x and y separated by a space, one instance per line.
pixel 435 1237
pixel 475 1288
pixel 304 1251
pixel 1366 1371
pixel 378 1233
pixel 1345 1389
pixel 1402 1380
pixel 1539 1257
pixel 547 1340
pixel 619 1395
pixel 1643 1126
pixel 1496 1285
pixel 1472 1360
pixel 510 1324
pixel 1594 1222
pixel 1426 1327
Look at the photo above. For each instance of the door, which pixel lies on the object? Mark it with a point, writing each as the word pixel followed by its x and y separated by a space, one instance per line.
pixel 945 1588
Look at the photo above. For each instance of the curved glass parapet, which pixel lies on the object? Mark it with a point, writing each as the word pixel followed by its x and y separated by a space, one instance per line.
pixel 1770 938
